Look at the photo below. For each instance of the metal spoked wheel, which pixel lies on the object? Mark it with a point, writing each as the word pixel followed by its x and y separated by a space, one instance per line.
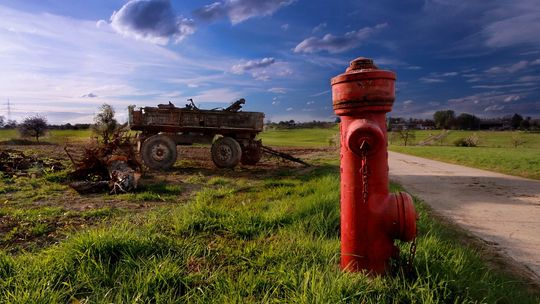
pixel 158 152
pixel 226 152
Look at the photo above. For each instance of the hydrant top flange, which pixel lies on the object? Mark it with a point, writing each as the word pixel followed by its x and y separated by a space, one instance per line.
pixel 361 63
pixel 363 87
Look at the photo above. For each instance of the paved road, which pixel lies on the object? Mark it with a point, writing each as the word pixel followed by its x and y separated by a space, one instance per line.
pixel 500 209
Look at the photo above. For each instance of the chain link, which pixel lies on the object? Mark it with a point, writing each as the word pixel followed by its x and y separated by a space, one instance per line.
pixel 364 151
pixel 412 255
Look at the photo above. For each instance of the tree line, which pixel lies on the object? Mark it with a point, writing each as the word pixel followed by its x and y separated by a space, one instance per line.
pixel 448 120
pixel 36 126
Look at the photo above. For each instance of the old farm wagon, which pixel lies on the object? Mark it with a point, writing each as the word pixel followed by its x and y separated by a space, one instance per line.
pixel 231 132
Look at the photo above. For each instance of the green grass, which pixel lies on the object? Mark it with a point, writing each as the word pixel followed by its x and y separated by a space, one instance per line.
pixel 246 241
pixel 299 137
pixel 495 151
pixel 53 136
pixel 235 240
pixel 487 139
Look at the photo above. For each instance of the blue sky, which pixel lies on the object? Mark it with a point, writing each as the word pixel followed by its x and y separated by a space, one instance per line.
pixel 63 59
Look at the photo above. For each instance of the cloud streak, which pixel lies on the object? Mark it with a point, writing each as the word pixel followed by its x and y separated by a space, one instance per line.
pixel 252 65
pixel 240 10
pixel 337 44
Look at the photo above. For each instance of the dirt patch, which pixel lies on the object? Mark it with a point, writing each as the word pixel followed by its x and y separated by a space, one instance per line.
pixel 16 162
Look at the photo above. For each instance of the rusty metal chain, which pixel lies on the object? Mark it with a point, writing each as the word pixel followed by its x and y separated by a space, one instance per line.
pixel 364 151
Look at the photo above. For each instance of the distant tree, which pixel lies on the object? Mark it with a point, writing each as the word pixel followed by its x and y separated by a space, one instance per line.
pixel 525 124
pixel 406 135
pixel 33 126
pixel 2 119
pixel 10 124
pixel 518 140
pixel 444 119
pixel 104 123
pixel 467 121
pixel 516 121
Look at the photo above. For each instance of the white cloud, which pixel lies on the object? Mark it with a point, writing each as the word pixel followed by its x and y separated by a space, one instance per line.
pixel 494 108
pixel 310 102
pixel 278 90
pixel 520 24
pixel 216 96
pixel 151 20
pixel 320 93
pixel 529 78
pixel 408 102
pixel 240 10
pixel 437 77
pixel 337 44
pixel 285 27
pixel 503 86
pixel 263 69
pixel 536 62
pixel 319 27
pixel 518 66
pixel 431 80
pixel 89 95
pixel 511 98
pixel 252 64
pixel 289 109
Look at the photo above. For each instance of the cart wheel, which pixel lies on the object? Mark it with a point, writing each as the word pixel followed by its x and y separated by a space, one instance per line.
pixel 158 152
pixel 251 154
pixel 226 152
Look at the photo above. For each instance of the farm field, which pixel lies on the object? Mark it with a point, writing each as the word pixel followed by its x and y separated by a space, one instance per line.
pixel 300 137
pixel 495 151
pixel 266 233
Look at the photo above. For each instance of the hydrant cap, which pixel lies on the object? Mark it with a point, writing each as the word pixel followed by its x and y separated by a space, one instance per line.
pixel 363 88
pixel 361 63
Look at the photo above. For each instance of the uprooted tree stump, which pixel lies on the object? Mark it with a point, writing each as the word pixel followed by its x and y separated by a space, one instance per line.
pixel 113 165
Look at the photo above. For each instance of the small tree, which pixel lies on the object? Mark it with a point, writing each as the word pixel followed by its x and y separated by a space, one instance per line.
pixel 104 123
pixel 518 140
pixel 33 126
pixel 2 119
pixel 406 135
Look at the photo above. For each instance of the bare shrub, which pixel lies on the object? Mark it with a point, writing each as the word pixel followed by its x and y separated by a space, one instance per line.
pixel 33 126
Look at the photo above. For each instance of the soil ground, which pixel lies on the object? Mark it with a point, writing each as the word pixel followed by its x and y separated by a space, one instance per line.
pixel 501 210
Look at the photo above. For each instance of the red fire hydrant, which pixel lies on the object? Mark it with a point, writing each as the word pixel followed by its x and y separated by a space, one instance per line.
pixel 371 217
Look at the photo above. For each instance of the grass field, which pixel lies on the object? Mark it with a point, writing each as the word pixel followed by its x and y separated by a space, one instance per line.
pixel 299 137
pixel 495 151
pixel 52 136
pixel 219 236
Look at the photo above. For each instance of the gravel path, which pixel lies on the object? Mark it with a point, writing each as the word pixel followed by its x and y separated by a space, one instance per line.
pixel 502 210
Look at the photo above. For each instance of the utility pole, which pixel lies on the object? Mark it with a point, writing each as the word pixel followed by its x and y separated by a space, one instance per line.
pixel 8 110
